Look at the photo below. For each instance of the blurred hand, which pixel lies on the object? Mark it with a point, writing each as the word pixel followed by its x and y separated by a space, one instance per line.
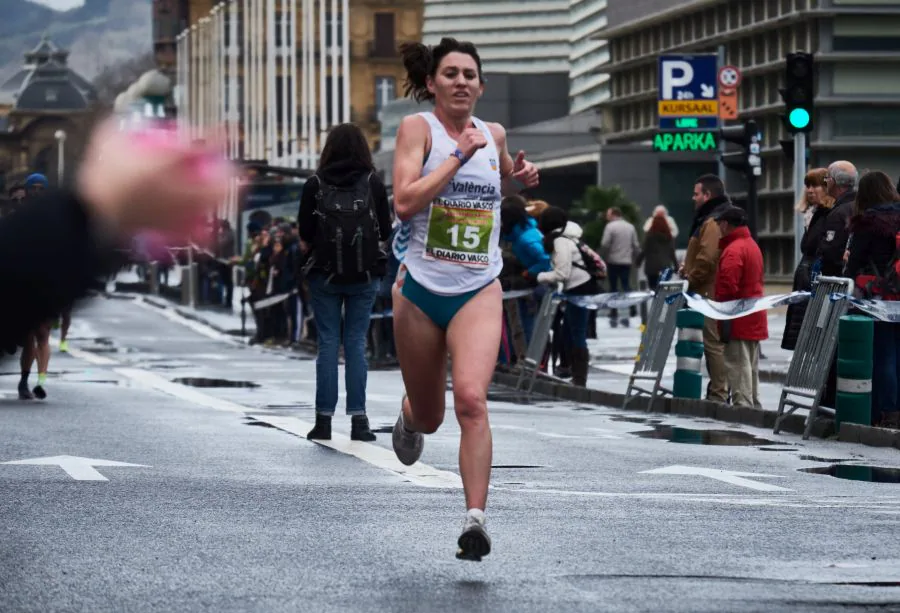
pixel 524 171
pixel 135 181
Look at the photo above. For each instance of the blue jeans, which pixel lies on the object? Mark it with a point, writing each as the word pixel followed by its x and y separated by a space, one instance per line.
pixel 885 370
pixel 357 301
pixel 619 277
pixel 575 324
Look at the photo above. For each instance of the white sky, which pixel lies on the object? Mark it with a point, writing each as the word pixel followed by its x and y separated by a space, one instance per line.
pixel 60 5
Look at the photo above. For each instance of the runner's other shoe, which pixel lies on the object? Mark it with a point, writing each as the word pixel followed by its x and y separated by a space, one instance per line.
pixel 474 542
pixel 39 392
pixel 24 392
pixel 407 445
pixel 64 346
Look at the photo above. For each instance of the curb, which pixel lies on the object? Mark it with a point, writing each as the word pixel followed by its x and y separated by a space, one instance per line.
pixel 760 418
pixel 823 427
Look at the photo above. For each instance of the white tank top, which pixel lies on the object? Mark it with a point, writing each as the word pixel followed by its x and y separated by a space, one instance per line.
pixel 454 243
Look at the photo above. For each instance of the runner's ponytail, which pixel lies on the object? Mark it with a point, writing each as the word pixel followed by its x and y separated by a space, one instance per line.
pixel 418 61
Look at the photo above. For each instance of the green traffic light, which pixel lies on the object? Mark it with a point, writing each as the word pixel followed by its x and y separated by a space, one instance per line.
pixel 799 118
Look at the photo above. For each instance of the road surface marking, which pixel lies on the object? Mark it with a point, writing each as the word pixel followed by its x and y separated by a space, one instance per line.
pixel 418 474
pixel 80 469
pixel 200 328
pixel 91 358
pixel 732 477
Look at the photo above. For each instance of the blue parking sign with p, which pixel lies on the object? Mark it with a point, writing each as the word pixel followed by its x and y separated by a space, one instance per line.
pixel 688 89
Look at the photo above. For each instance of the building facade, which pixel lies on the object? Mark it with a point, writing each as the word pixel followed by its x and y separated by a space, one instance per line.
pixel 857 117
pixel 588 53
pixel 512 36
pixel 247 66
pixel 41 101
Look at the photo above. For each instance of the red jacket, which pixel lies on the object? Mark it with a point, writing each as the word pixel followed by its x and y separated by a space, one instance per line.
pixel 740 275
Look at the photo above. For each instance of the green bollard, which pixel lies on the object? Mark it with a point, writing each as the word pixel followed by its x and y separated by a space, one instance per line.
pixel 688 382
pixel 854 370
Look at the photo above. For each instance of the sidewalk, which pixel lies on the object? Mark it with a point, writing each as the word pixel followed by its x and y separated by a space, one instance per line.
pixel 218 319
pixel 618 346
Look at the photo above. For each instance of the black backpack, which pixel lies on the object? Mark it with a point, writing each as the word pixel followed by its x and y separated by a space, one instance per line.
pixel 346 245
pixel 591 262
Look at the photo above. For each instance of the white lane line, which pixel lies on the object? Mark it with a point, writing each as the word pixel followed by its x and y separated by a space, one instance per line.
pixel 154 381
pixel 86 356
pixel 170 314
pixel 418 474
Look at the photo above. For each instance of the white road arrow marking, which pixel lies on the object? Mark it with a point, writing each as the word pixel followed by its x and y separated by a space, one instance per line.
pixel 80 469
pixel 726 476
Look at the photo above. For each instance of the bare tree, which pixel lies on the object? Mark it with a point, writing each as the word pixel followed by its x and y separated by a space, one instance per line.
pixel 116 78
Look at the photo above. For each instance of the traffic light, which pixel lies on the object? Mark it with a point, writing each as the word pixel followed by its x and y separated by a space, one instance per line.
pixel 748 138
pixel 799 92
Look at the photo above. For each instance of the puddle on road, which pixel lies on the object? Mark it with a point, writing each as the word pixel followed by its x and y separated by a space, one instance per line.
pixel 207 382
pixel 812 458
pixel 850 472
pixel 688 436
pixel 518 466
pixel 510 397
pixel 636 420
pixel 287 407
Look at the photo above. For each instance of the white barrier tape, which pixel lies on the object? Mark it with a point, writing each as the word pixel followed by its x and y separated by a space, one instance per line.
pixel 271 301
pixel 691 364
pixel 854 386
pixel 723 311
pixel 619 300
pixel 882 310
pixel 517 293
pixel 692 335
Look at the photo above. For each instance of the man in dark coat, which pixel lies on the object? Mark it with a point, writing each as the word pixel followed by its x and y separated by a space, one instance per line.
pixel 841 185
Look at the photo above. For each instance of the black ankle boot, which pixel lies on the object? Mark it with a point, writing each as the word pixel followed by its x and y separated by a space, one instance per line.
pixel 322 430
pixel 359 429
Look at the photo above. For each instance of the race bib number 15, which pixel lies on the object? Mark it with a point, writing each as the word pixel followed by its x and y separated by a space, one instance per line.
pixel 460 232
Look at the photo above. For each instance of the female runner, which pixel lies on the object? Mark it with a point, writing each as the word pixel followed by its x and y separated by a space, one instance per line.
pixel 450 172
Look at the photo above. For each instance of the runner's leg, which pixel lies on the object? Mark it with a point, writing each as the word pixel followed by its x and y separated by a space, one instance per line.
pixel 422 352
pixel 473 339
pixel 42 344
pixel 64 330
pixel 25 361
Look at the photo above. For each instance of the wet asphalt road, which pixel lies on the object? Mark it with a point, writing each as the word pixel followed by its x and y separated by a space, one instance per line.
pixel 228 512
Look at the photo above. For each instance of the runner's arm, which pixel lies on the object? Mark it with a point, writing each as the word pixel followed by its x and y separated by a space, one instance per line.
pixel 413 192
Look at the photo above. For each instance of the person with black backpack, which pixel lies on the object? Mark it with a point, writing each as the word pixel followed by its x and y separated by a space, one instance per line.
pixel 344 217
pixel 580 270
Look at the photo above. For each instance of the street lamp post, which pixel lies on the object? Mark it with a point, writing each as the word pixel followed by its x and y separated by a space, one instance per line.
pixel 60 137
pixel 599 133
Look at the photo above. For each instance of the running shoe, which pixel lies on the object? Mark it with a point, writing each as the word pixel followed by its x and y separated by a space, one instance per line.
pixel 407 445
pixel 39 392
pixel 24 392
pixel 474 542
pixel 64 346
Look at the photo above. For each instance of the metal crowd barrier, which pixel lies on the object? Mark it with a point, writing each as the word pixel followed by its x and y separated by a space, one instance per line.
pixel 656 342
pixel 813 356
pixel 530 364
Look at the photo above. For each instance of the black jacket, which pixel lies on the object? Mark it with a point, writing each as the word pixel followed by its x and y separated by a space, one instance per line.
pixel 873 242
pixel 50 255
pixel 657 254
pixel 343 173
pixel 836 232
pixel 809 246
